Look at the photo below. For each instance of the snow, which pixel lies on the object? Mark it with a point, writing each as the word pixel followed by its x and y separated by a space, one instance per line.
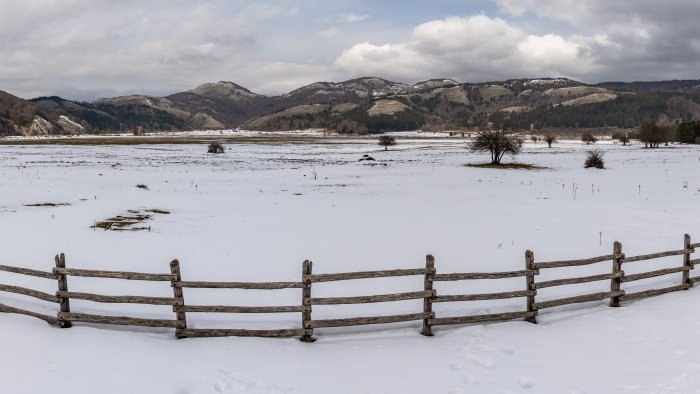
pixel 257 211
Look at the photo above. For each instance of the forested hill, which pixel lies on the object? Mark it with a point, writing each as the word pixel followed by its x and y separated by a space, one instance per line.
pixel 366 105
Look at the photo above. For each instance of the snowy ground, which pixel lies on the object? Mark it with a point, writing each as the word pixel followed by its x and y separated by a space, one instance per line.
pixel 257 211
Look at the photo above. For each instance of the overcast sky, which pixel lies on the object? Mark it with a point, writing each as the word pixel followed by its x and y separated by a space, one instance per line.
pixel 83 49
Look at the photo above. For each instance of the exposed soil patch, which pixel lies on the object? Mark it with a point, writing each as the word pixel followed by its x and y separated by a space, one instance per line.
pixel 509 166
pixel 129 222
pixel 48 204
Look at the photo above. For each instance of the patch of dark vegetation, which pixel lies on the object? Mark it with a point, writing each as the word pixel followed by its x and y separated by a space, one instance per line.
pixel 367 158
pixel 509 166
pixel 140 186
pixel 48 204
pixel 215 147
pixel 129 222
pixel 594 159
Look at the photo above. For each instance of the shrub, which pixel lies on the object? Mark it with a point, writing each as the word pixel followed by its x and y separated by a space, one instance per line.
pixel 534 139
pixel 594 159
pixel 215 147
pixel 588 138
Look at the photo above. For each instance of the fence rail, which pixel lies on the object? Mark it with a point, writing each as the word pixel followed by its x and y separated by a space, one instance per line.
pixel 308 323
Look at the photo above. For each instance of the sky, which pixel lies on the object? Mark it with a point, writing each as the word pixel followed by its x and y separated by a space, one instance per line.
pixel 85 49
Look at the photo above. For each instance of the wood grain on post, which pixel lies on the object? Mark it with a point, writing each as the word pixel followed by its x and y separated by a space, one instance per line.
pixel 615 281
pixel 530 286
pixel 62 286
pixel 178 294
pixel 428 287
pixel 686 261
pixel 305 297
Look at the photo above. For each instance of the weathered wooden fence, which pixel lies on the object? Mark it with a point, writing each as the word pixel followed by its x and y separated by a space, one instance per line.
pixel 428 294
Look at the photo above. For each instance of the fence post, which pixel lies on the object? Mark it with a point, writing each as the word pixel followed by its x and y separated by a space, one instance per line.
pixel 428 300
pixel 178 293
pixel 63 286
pixel 530 282
pixel 615 281
pixel 306 304
pixel 686 262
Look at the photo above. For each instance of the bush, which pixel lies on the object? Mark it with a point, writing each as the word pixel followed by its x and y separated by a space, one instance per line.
pixel 651 134
pixel 594 159
pixel 215 147
pixel 588 138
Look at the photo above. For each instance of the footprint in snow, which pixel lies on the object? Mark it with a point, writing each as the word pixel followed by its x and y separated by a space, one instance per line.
pixel 485 362
pixel 525 382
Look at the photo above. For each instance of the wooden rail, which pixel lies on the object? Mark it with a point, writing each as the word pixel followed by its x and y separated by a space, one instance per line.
pixel 482 297
pixel 114 274
pixel 28 272
pixel 120 299
pixel 582 279
pixel 363 275
pixel 240 285
pixel 482 275
pixel 238 309
pixel 49 319
pixel 30 293
pixel 573 263
pixel 118 320
pixel 481 318
pixel 429 294
pixel 361 321
pixel 216 332
pixel 372 299
pixel 577 299
pixel 657 255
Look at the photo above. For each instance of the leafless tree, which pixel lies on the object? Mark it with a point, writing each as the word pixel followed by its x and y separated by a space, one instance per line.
pixel 550 139
pixel 498 143
pixel 386 141
pixel 651 134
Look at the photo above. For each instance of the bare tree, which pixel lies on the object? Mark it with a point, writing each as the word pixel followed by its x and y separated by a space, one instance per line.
pixel 386 141
pixel 550 139
pixel 651 134
pixel 498 143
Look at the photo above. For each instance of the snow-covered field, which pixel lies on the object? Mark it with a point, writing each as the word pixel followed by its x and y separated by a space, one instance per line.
pixel 257 211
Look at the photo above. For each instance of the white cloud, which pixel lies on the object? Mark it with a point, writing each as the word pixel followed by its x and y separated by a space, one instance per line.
pixel 353 17
pixel 328 33
pixel 468 48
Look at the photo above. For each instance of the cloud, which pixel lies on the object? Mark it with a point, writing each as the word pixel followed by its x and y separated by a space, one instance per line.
pixel 328 33
pixel 352 17
pixel 468 48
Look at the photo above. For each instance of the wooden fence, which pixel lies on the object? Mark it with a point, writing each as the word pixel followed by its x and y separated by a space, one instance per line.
pixel 428 294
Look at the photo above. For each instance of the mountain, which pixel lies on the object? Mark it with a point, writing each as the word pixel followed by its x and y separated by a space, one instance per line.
pixel 365 105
